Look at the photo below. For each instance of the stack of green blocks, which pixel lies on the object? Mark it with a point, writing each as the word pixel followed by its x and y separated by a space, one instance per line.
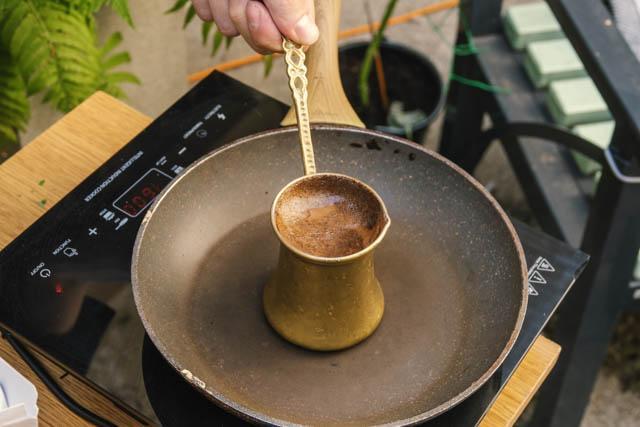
pixel 576 101
pixel 597 133
pixel 550 60
pixel 530 22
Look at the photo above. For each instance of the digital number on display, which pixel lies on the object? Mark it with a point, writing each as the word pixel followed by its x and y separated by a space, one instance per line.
pixel 140 195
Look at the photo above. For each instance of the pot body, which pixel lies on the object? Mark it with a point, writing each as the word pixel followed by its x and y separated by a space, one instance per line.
pixel 410 77
pixel 323 306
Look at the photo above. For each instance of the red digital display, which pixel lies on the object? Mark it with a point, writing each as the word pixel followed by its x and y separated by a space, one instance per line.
pixel 142 192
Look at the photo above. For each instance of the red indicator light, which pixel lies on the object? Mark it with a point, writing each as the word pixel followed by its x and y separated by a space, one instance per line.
pixel 58 288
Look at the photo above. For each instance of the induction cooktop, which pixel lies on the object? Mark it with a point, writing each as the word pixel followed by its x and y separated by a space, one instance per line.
pixel 65 284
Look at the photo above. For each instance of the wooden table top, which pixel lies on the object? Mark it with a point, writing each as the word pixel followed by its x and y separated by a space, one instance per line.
pixel 71 150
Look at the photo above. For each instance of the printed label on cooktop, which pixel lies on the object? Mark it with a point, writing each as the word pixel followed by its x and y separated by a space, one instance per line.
pixel 537 274
pixel 140 195
pixel 113 176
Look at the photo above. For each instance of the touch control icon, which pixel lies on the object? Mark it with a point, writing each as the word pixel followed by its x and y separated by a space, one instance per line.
pixel 107 214
pixel 70 252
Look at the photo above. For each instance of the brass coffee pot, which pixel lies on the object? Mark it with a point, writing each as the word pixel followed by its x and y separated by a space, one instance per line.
pixel 317 297
pixel 324 294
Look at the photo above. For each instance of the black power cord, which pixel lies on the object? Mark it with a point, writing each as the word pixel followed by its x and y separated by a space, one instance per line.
pixel 55 388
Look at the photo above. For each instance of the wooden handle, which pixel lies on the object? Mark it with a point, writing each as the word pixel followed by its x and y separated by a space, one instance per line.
pixel 327 100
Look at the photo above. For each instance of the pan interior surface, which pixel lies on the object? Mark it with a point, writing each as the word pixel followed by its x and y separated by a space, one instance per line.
pixel 451 273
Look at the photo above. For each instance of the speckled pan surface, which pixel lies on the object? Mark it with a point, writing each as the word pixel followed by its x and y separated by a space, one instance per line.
pixel 451 267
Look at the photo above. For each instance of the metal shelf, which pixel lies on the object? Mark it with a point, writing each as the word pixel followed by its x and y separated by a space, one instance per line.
pixel 553 185
pixel 607 226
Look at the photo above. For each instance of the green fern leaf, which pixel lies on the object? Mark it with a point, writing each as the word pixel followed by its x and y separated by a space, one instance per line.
pixel 218 37
pixel 123 77
pixel 217 42
pixel 14 106
pixel 94 5
pixel 89 7
pixel 267 60
pixel 179 4
pixel 9 143
pixel 50 45
pixel 21 27
pixel 110 81
pixel 54 48
pixel 191 13
pixel 121 7
pixel 206 29
pixel 85 7
pixel 111 43
pixel 8 146
pixel 74 58
pixel 115 60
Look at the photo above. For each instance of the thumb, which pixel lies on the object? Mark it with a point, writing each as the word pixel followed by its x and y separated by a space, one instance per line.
pixel 295 19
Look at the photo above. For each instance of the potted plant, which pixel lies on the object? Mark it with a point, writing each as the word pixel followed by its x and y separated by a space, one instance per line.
pixel 404 94
pixel 51 47
pixel 405 101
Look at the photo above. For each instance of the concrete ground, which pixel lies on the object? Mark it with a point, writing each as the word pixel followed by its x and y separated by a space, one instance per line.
pixel 163 55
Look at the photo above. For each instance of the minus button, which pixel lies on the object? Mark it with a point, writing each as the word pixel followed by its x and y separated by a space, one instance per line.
pixel 182 150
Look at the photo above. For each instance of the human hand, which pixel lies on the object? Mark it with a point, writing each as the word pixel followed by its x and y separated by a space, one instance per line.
pixel 262 23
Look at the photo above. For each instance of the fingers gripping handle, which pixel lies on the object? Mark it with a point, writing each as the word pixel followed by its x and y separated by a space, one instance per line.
pixel 327 100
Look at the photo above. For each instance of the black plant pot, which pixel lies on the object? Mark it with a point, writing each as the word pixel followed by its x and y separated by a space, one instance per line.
pixel 411 79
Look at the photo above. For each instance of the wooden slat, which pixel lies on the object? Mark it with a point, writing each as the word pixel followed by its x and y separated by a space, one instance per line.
pixel 67 153
pixel 62 156
pixel 524 383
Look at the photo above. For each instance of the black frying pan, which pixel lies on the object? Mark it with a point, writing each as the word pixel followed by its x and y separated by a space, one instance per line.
pixel 451 267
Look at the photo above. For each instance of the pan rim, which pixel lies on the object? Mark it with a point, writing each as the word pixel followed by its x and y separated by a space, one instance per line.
pixel 251 415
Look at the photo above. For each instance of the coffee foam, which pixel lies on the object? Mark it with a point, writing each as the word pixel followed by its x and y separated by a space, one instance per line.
pixel 329 216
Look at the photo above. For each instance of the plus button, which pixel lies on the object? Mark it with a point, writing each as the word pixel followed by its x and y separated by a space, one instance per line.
pixel 93 231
